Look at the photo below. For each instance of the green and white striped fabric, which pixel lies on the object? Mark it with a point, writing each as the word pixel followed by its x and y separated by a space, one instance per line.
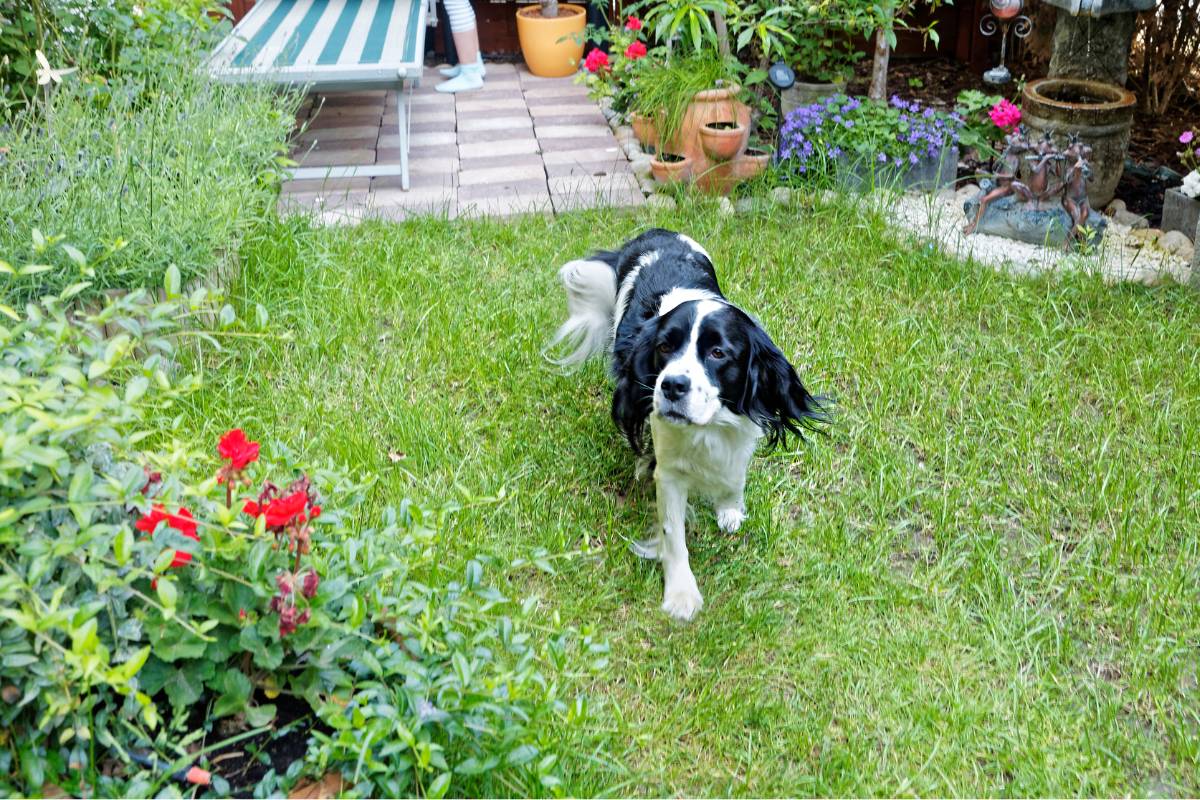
pixel 325 42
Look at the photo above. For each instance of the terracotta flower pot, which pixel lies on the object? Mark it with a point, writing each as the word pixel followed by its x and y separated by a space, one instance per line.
pixel 750 163
pixel 644 129
pixel 552 47
pixel 677 168
pixel 724 142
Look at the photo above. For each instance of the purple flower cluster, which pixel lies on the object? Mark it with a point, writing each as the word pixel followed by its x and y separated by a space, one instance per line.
pixel 900 132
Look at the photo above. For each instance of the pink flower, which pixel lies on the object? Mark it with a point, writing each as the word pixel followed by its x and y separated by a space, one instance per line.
pixel 596 61
pixel 1005 115
pixel 1186 137
pixel 635 51
pixel 633 24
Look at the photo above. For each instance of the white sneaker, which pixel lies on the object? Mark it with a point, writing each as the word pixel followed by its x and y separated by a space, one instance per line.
pixel 456 70
pixel 469 79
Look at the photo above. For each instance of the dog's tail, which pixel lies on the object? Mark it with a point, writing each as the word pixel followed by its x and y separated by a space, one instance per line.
pixel 591 286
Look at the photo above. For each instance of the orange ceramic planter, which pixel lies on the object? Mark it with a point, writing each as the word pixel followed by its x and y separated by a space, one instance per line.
pixel 552 48
pixel 721 144
pixel 671 171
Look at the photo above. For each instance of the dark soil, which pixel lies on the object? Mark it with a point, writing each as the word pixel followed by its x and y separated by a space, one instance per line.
pixel 722 126
pixel 245 763
pixel 670 158
pixel 1153 141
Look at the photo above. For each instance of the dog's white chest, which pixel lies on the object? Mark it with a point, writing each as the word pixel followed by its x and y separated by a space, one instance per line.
pixel 711 458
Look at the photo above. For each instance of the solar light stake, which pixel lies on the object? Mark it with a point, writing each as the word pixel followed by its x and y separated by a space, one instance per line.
pixel 1005 14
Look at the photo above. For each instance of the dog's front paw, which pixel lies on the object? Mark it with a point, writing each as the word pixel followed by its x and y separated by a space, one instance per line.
pixel 681 601
pixel 730 519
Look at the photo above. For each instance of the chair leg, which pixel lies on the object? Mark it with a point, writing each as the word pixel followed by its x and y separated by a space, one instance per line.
pixel 402 112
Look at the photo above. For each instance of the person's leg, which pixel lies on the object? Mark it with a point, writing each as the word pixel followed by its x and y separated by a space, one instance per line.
pixel 470 70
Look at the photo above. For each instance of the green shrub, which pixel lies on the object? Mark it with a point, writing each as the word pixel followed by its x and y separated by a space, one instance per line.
pixel 102 39
pixel 149 589
pixel 166 167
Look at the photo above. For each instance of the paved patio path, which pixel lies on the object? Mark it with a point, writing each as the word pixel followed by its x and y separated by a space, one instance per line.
pixel 521 144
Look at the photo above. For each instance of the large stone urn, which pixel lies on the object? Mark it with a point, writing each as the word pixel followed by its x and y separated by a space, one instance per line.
pixel 1100 114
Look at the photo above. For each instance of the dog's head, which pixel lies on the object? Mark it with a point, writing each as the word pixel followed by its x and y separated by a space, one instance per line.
pixel 704 361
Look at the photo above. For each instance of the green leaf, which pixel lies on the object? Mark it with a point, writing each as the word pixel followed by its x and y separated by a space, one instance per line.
pixel 123 545
pixel 136 388
pixel 258 716
pixel 172 282
pixel 522 755
pixel 10 313
pixel 439 787
pixel 237 691
pixel 227 316
pixel 74 254
pixel 168 595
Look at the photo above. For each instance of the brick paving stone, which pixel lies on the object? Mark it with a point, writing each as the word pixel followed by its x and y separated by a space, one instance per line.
pixel 426 198
pixel 582 156
pixel 495 93
pixel 611 166
pixel 418 180
pixel 573 131
pixel 324 186
pixel 435 99
pixel 471 103
pixel 592 184
pixel 495 123
pixel 323 120
pixel 603 145
pixel 349 132
pixel 523 186
pixel 592 120
pixel 437 137
pixel 321 202
pixel 322 144
pixel 496 137
pixel 625 198
pixel 423 114
pixel 484 149
pixel 422 126
pixel 337 158
pixel 506 206
pixel 350 98
pixel 487 162
pixel 556 92
pixel 429 151
pixel 569 109
pixel 501 175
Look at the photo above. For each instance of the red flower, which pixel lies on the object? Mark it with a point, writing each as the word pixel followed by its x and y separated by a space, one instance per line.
pixel 1005 115
pixel 635 51
pixel 282 511
pixel 633 24
pixel 236 449
pixel 308 586
pixel 182 521
pixel 596 61
pixel 241 613
pixel 289 620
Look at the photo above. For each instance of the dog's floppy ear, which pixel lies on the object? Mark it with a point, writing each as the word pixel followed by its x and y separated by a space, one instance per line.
pixel 633 398
pixel 773 395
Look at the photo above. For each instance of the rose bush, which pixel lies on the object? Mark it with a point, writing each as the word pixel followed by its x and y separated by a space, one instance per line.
pixel 150 589
pixel 615 76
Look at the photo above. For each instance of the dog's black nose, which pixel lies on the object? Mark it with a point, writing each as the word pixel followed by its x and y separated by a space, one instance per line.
pixel 674 387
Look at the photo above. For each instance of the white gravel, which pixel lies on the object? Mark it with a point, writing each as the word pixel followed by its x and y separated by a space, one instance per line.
pixel 1118 258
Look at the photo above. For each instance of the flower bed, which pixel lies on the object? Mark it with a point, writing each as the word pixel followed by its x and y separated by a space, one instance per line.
pixel 862 142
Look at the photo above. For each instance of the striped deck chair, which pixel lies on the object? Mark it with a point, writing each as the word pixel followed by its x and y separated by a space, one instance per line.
pixel 332 45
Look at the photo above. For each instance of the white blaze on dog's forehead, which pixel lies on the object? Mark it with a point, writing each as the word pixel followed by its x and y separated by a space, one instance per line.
pixel 677 297
pixel 692 243
pixel 647 258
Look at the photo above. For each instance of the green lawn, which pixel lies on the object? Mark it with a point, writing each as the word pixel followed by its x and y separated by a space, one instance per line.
pixel 982 582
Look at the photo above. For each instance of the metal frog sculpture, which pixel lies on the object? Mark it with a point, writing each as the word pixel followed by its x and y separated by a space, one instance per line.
pixel 1048 207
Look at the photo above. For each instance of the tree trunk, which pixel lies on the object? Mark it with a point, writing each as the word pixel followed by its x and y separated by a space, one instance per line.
pixel 879 68
pixel 550 9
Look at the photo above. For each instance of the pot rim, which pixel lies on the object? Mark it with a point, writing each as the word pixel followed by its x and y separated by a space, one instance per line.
pixel 1123 97
pixel 526 12
pixel 716 93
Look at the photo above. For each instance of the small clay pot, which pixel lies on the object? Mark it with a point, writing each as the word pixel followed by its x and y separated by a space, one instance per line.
pixel 673 169
pixel 722 140
pixel 750 163
pixel 644 129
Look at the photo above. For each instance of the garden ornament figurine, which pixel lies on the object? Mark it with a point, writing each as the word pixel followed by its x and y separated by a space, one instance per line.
pixel 1049 206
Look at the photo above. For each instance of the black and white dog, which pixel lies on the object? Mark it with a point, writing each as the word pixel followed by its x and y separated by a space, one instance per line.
pixel 706 376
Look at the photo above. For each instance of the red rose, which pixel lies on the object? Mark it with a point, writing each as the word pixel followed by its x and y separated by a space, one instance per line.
pixel 633 24
pixel 236 449
pixel 596 61
pixel 283 511
pixel 635 51
pixel 182 521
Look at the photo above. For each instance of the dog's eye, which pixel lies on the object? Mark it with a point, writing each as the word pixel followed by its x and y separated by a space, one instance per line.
pixel 717 353
pixel 664 348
